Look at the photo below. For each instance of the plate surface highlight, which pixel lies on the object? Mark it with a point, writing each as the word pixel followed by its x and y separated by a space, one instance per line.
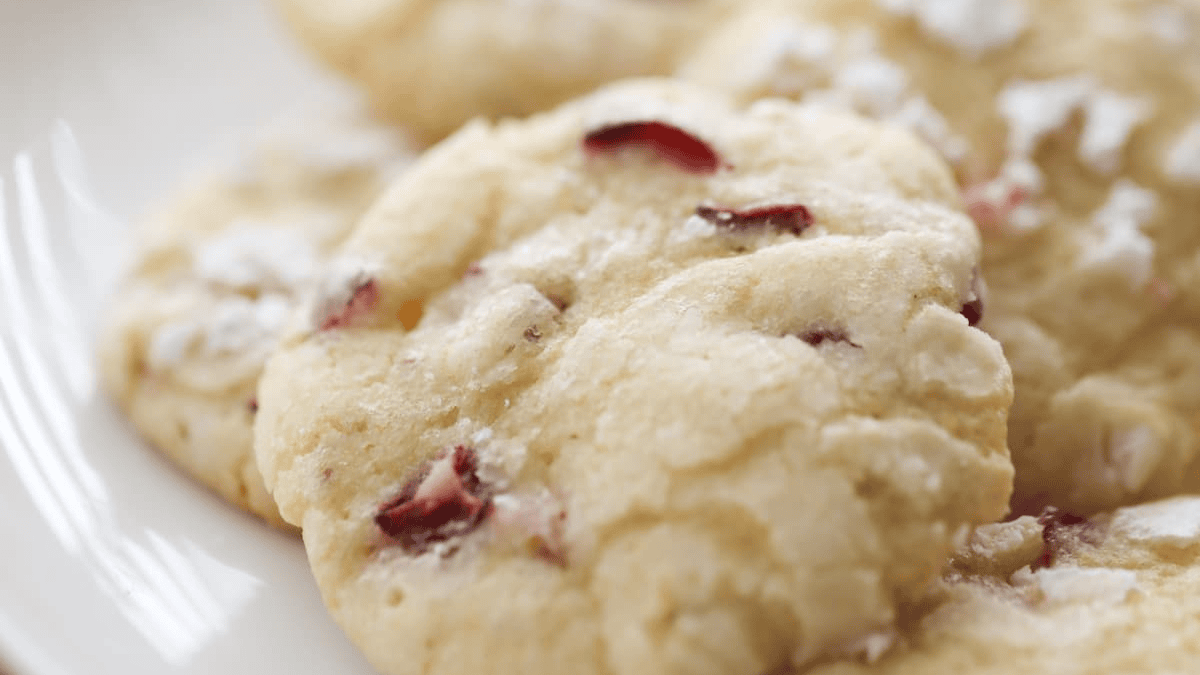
pixel 114 561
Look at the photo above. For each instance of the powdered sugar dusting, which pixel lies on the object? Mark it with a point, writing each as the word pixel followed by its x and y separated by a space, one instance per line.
pixel 1183 156
pixel 1122 244
pixel 917 114
pixel 251 255
pixel 873 84
pixel 235 324
pixel 1175 522
pixel 1111 118
pixel 791 57
pixel 1034 109
pixel 239 324
pixel 1063 585
pixel 171 343
pixel 972 26
pixel 244 281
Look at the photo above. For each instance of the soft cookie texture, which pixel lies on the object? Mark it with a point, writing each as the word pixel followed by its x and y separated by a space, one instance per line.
pixel 1116 593
pixel 1074 126
pixel 693 392
pixel 216 275
pixel 434 64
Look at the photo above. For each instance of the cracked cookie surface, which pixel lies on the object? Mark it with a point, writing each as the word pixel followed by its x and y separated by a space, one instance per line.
pixel 691 393
pixel 216 274
pixel 1074 131
pixel 1115 593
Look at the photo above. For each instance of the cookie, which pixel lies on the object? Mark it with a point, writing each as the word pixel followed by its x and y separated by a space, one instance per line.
pixel 1116 593
pixel 1074 130
pixel 434 64
pixel 692 392
pixel 216 275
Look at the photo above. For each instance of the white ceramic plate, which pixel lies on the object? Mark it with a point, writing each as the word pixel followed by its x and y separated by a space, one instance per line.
pixel 113 562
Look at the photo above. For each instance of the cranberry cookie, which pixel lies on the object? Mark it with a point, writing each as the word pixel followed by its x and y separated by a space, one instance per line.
pixel 1074 126
pixel 1116 593
pixel 434 64
pixel 216 276
pixel 694 391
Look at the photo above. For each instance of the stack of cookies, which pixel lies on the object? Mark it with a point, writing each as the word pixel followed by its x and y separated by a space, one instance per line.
pixel 723 337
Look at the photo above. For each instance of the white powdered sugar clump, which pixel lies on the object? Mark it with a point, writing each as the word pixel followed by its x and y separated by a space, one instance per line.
pixel 1174 522
pixel 923 119
pixel 1035 109
pixel 1110 119
pixel 239 295
pixel 871 84
pixel 239 324
pixel 790 58
pixel 1122 245
pixel 815 61
pixel 1182 161
pixel 1072 585
pixel 972 26
pixel 172 342
pixel 253 255
pixel 233 325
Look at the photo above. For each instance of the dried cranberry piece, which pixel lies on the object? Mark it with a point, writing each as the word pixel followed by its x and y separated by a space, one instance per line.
pixel 445 499
pixel 668 142
pixel 1056 528
pixel 791 218
pixel 252 406
pixel 363 299
pixel 990 203
pixel 973 308
pixel 816 336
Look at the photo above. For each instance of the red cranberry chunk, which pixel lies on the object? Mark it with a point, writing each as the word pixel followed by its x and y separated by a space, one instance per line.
pixel 671 143
pixel 445 499
pixel 790 218
pixel 816 336
pixel 973 308
pixel 362 300
pixel 1057 527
